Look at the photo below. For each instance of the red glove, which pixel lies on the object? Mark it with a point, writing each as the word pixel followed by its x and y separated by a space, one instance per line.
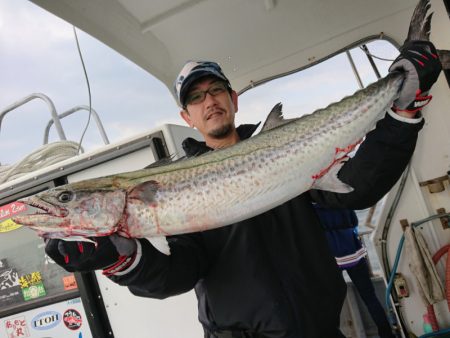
pixel 420 62
pixel 110 253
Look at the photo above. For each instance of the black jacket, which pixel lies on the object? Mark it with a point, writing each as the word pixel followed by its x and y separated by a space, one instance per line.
pixel 273 274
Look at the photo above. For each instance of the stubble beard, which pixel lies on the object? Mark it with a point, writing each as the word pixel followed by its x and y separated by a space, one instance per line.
pixel 221 132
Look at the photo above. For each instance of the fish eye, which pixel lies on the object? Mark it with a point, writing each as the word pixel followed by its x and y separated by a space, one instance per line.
pixel 65 196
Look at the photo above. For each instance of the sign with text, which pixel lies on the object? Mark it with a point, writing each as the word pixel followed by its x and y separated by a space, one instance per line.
pixel 16 327
pixel 6 212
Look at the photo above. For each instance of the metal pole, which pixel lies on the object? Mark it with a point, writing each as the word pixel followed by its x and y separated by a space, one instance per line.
pixel 355 71
pixel 372 63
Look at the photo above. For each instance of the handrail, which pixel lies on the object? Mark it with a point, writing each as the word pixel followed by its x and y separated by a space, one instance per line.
pixel 73 110
pixel 47 100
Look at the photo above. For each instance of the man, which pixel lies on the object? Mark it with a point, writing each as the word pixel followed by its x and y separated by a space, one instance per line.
pixel 341 229
pixel 271 275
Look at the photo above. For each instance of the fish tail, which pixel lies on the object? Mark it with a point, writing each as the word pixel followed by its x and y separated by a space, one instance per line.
pixel 420 25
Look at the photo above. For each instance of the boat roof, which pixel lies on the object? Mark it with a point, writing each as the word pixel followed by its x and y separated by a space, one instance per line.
pixel 253 40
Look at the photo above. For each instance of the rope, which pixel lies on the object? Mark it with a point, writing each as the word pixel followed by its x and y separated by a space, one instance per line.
pixel 432 318
pixel 44 156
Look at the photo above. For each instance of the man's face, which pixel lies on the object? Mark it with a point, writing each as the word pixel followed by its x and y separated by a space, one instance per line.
pixel 214 117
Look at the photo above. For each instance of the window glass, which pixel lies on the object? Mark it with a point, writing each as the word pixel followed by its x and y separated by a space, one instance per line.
pixel 27 274
pixel 315 87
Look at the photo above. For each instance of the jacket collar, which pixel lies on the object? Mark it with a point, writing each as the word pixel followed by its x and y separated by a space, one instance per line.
pixel 193 147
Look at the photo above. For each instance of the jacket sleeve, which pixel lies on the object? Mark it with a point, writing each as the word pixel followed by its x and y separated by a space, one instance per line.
pixel 159 276
pixel 376 166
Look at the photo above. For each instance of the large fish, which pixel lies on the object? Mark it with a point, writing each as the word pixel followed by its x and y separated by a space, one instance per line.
pixel 225 186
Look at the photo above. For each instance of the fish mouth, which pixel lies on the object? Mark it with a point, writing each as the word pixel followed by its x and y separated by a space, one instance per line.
pixel 40 209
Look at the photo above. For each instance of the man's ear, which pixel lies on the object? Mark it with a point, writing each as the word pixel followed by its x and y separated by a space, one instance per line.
pixel 234 99
pixel 185 116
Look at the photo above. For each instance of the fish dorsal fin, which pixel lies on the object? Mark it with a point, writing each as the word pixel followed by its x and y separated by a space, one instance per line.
pixel 144 192
pixel 162 161
pixel 275 118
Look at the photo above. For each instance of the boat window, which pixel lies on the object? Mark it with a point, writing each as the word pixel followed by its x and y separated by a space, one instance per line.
pixel 318 86
pixel 27 275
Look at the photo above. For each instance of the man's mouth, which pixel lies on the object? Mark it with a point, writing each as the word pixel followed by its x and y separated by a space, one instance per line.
pixel 213 115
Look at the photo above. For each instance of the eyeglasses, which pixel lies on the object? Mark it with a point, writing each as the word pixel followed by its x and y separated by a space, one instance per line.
pixel 198 96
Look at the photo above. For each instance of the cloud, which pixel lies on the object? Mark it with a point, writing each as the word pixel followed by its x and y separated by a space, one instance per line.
pixel 39 30
pixel 39 54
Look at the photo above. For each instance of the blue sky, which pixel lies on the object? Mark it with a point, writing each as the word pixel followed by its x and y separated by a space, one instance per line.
pixel 38 54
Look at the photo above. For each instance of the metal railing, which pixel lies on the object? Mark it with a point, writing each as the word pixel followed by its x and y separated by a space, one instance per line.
pixel 70 112
pixel 46 99
pixel 56 118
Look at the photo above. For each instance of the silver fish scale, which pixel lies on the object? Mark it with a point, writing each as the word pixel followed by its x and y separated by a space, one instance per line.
pixel 255 175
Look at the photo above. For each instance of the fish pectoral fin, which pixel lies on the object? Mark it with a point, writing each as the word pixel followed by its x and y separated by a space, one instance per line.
pixel 160 243
pixel 144 192
pixel 78 239
pixel 330 180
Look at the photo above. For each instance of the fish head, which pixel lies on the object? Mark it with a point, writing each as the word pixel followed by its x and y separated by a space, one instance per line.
pixel 68 211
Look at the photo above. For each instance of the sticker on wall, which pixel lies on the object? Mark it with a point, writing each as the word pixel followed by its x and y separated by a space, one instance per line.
pixel 9 285
pixel 16 327
pixel 69 282
pixel 8 225
pixel 8 277
pixel 73 301
pixel 72 319
pixel 10 296
pixel 46 320
pixel 34 291
pixel 32 286
pixel 6 212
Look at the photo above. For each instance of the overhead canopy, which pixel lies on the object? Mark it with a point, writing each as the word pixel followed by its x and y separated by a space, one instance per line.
pixel 252 39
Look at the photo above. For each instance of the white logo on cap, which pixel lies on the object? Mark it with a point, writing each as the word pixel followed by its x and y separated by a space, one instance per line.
pixel 184 72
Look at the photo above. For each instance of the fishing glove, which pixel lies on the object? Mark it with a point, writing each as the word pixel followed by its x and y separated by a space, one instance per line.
pixel 420 62
pixel 110 253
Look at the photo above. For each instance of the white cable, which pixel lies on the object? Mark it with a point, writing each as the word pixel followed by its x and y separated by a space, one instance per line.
pixel 374 56
pixel 44 156
pixel 88 87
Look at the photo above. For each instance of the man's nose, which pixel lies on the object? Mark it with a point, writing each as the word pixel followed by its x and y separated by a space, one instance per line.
pixel 209 99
